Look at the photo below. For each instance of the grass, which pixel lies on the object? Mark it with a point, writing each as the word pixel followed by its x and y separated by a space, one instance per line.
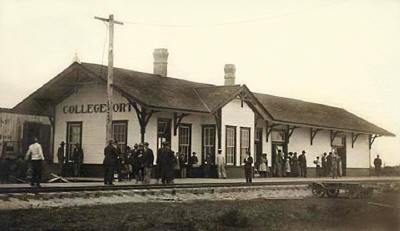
pixel 308 214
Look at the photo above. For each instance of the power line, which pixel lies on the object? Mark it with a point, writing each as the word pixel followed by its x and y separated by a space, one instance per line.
pixel 237 22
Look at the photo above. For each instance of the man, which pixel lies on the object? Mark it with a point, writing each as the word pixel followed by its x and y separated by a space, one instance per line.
pixel 110 161
pixel 278 164
pixel 165 159
pixel 191 162
pixel 323 162
pixel 378 165
pixel 303 164
pixel 295 169
pixel 182 165
pixel 317 163
pixel 248 161
pixel 148 160
pixel 35 154
pixel 329 164
pixel 131 160
pixel 77 157
pixel 221 164
pixel 207 165
pixel 61 158
pixel 138 163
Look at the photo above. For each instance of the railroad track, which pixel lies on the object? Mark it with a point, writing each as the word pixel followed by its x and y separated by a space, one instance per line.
pixel 80 188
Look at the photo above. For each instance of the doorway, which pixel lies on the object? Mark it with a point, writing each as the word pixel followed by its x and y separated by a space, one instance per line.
pixel 275 148
pixel 340 148
pixel 163 132
pixel 258 145
pixel 74 136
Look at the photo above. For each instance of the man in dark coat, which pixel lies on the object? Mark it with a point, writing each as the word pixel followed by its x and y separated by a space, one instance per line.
pixel 138 163
pixel 61 158
pixel 148 160
pixel 248 173
pixel 165 159
pixel 324 164
pixel 77 156
pixel 378 165
pixel 303 164
pixel 110 162
pixel 193 160
pixel 328 164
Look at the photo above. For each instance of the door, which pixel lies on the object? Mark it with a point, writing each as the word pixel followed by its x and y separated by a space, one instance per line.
pixel 258 144
pixel 163 131
pixel 74 136
pixel 339 145
pixel 40 131
pixel 275 148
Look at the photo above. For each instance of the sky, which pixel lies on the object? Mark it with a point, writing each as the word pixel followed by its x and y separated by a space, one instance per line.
pixel 344 53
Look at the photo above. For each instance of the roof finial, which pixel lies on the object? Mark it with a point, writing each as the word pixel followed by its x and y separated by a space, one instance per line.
pixel 76 58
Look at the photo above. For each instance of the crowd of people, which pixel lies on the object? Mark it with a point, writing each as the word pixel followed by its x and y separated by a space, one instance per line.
pixel 138 164
pixel 293 165
pixel 283 165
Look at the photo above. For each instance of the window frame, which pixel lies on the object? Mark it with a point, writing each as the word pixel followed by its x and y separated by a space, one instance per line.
pixel 125 122
pixel 241 142
pixel 189 126
pixel 203 153
pixel 234 147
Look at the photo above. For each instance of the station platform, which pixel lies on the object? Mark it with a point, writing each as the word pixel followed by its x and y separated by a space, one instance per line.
pixel 97 182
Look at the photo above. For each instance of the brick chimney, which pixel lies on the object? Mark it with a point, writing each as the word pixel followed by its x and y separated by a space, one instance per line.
pixel 230 70
pixel 160 63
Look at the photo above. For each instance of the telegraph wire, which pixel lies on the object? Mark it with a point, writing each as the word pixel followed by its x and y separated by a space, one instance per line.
pixel 238 22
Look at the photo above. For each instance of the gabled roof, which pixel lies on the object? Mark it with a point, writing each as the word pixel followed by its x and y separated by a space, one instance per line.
pixel 306 113
pixel 214 97
pixel 155 91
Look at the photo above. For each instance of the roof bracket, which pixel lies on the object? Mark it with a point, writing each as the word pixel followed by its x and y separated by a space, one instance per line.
pixel 290 131
pixel 313 133
pixel 371 139
pixel 354 138
pixel 143 116
pixel 333 136
pixel 177 120
pixel 269 129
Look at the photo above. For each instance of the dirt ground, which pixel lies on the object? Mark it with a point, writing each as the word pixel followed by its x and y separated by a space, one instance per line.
pixel 378 213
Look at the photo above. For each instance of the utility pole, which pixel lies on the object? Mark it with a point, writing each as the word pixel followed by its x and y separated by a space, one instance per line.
pixel 110 74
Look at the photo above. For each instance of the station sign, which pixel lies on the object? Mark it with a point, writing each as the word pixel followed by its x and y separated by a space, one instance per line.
pixel 96 108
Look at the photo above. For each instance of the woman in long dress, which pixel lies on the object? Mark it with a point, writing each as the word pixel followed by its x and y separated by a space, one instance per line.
pixel 263 165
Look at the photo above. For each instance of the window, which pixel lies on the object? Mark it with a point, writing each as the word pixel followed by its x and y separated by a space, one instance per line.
pixel 244 142
pixel 230 147
pixel 185 133
pixel 208 141
pixel 120 133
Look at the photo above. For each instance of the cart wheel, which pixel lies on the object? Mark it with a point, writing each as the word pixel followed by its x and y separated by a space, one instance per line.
pixel 332 192
pixel 318 191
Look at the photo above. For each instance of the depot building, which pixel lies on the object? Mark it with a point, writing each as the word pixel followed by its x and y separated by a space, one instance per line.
pixel 193 117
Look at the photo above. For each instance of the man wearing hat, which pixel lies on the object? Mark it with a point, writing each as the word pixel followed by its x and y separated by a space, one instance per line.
pixel 221 164
pixel 110 162
pixel 303 164
pixel 165 159
pixel 61 158
pixel 148 160
pixel 248 161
